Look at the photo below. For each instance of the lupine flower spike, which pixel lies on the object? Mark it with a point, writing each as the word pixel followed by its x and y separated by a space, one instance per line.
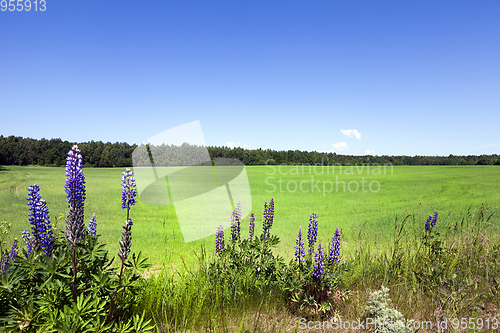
pixel 299 248
pixel 251 229
pixel 268 219
pixel 3 265
pixel 312 232
pixel 28 241
pixel 75 196
pixel 128 199
pixel 335 247
pixel 219 240
pixel 14 250
pixel 43 239
pixel 92 229
pixel 428 223
pixel 319 264
pixel 238 218
pixel 4 268
pixel 128 190
pixel 235 233
pixel 431 221
pixel 264 224
pixel 126 241
pixel 434 218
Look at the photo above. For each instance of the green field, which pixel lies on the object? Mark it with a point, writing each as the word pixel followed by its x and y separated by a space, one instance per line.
pixel 395 191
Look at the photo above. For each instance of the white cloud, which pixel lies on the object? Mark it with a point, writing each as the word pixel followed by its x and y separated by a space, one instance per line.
pixel 369 151
pixel 236 144
pixel 337 148
pixel 351 133
pixel 340 146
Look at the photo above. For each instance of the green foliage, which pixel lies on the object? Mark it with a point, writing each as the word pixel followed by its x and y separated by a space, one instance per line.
pixel 37 296
pixel 26 151
pixel 255 257
pixel 310 296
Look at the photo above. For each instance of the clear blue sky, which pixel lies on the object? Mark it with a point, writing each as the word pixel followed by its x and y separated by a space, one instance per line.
pixel 405 77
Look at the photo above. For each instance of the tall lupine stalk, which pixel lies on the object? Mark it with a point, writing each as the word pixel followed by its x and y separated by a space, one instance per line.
pixel 268 219
pixel 4 259
pixel 14 251
pixel 219 239
pixel 299 248
pixel 238 209
pixel 335 247
pixel 43 239
pixel 318 263
pixel 428 223
pixel 251 229
pixel 128 199
pixel 312 232
pixel 238 218
pixel 235 232
pixel 75 196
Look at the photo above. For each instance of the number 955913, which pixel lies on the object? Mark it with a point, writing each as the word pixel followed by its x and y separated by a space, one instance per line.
pixel 20 5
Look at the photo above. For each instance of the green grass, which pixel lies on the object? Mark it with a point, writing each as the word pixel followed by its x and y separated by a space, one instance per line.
pixel 403 190
pixel 454 278
pixel 460 281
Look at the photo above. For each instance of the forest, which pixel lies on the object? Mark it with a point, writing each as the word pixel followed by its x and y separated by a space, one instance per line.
pixel 16 150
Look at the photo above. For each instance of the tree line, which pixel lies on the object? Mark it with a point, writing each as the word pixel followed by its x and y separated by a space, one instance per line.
pixel 15 150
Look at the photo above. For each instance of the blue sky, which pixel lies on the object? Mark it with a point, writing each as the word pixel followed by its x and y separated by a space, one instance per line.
pixel 355 77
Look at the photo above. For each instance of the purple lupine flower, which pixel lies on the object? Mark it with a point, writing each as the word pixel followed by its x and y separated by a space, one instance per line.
pixel 43 239
pixel 299 248
pixel 434 218
pixel 264 224
pixel 75 196
pixel 14 250
pixel 235 233
pixel 238 218
pixel 238 210
pixel 251 229
pixel 3 265
pixel 428 223
pixel 219 239
pixel 126 241
pixel 318 263
pixel 335 247
pixel 28 241
pixel 128 189
pixel 312 232
pixel 92 229
pixel 268 219
pixel 270 213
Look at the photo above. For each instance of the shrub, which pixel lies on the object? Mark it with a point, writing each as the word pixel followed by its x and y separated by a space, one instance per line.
pixel 386 319
pixel 66 282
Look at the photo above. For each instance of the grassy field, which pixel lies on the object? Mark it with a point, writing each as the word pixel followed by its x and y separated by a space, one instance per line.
pixel 360 202
pixel 449 272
